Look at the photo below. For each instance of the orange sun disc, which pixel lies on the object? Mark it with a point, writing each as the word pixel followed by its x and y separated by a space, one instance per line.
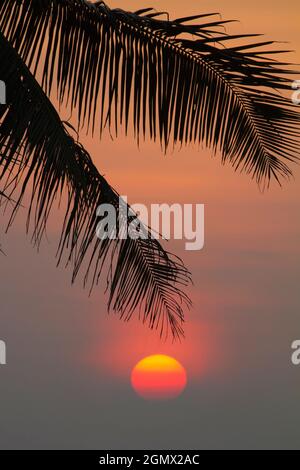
pixel 158 377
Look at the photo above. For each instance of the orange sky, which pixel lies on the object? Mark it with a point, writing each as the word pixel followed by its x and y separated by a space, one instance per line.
pixel 239 219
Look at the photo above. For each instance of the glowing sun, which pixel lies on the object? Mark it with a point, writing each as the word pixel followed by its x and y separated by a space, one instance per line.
pixel 158 377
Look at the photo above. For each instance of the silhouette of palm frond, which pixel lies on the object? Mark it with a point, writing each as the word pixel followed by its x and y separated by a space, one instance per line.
pixel 179 79
pixel 176 81
pixel 141 274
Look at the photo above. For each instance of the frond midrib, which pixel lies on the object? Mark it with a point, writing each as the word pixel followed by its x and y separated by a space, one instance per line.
pixel 200 60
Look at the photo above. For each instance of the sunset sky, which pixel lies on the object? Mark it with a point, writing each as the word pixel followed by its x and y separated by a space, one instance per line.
pixel 67 382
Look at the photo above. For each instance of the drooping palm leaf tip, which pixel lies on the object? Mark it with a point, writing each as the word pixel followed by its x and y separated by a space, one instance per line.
pixel 142 276
pixel 177 81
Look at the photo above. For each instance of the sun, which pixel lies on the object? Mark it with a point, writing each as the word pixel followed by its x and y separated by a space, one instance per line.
pixel 158 377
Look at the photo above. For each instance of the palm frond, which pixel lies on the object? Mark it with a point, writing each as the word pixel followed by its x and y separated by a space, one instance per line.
pixel 4 199
pixel 179 81
pixel 142 276
pixel 2 194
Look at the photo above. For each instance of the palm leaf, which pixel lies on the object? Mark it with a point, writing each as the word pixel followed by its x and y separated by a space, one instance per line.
pixel 176 80
pixel 142 277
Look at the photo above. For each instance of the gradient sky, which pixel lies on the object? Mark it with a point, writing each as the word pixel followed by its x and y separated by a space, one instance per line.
pixel 67 382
